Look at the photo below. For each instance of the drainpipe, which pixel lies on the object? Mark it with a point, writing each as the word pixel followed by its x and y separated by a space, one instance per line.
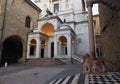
pixel 2 28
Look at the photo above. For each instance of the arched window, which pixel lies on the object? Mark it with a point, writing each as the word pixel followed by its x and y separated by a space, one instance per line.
pixel 27 21
pixel 63 46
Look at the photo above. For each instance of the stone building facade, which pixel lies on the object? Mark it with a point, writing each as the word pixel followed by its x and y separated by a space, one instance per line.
pixel 110 33
pixel 17 18
pixel 62 30
pixel 96 22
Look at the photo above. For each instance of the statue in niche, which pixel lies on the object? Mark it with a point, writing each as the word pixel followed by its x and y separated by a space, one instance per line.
pixel 48 12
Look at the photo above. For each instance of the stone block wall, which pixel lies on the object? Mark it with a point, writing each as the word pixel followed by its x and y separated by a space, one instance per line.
pixel 110 35
pixel 16 12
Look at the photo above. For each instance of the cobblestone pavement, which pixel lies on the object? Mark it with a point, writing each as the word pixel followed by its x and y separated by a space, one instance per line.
pixel 23 74
pixel 62 74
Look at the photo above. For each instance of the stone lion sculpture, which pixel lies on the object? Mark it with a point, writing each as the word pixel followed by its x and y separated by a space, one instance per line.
pixel 92 64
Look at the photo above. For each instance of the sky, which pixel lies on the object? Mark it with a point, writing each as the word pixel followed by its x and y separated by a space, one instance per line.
pixel 95 9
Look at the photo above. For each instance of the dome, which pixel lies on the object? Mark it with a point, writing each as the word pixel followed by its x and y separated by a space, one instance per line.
pixel 65 26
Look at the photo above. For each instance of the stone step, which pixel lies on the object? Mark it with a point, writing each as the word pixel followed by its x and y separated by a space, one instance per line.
pixel 44 61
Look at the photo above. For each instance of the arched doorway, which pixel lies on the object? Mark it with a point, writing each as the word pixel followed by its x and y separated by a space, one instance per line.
pixel 62 46
pixel 33 47
pixel 12 50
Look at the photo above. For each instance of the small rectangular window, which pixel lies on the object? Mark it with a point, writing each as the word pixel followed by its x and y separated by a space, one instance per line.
pixel 56 8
